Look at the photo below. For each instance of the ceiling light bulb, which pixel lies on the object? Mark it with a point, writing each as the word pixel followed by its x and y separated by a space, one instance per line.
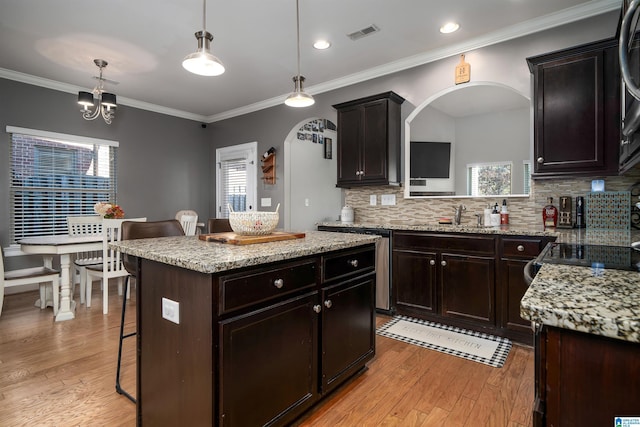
pixel 299 98
pixel 449 27
pixel 322 44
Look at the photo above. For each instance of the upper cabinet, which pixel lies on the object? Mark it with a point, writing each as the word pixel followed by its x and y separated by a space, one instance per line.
pixel 577 111
pixel 368 146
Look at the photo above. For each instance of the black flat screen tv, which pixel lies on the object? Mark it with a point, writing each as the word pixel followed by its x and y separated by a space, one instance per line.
pixel 430 159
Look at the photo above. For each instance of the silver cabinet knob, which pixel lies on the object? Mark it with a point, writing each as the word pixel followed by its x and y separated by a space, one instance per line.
pixel 278 283
pixel 540 160
pixel 520 248
pixel 443 263
pixel 317 308
pixel 432 262
pixel 328 303
pixel 353 262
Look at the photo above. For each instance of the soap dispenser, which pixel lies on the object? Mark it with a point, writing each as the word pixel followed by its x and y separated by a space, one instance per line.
pixel 495 216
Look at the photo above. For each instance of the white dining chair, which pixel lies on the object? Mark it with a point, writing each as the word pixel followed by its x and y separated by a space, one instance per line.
pixel 31 276
pixel 189 221
pixel 111 266
pixel 82 226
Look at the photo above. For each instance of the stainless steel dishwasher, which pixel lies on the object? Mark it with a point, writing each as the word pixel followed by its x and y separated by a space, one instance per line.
pixel 383 262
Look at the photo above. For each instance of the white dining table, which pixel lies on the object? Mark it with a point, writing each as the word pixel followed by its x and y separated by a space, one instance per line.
pixel 64 246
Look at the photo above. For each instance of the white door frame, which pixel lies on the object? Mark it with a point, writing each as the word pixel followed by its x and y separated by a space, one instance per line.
pixel 248 151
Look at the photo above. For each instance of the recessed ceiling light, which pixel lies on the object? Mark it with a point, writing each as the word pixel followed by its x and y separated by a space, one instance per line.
pixel 322 44
pixel 449 27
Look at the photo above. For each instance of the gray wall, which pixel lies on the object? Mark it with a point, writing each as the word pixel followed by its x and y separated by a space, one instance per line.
pixel 163 162
pixel 504 63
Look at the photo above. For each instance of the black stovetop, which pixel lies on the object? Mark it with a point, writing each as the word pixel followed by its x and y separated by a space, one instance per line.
pixel 601 256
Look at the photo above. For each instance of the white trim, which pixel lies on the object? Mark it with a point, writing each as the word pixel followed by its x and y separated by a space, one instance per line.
pixel 62 136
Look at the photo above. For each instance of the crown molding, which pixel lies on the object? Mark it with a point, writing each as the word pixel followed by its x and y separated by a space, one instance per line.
pixel 69 88
pixel 573 14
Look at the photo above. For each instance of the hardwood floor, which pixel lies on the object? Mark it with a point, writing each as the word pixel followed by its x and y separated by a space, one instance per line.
pixel 63 374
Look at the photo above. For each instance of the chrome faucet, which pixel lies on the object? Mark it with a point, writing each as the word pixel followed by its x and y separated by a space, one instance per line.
pixel 458 214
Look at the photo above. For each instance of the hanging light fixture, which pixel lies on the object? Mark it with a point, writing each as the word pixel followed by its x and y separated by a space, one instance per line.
pixel 106 101
pixel 202 62
pixel 298 98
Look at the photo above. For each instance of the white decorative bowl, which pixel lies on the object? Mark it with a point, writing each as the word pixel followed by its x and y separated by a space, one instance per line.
pixel 253 223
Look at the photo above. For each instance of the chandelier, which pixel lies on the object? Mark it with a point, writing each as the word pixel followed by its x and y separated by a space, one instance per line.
pixel 106 106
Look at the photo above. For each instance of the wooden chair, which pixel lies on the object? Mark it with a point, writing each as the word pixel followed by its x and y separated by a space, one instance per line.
pixel 189 221
pixel 219 225
pixel 139 230
pixel 81 226
pixel 111 266
pixel 30 276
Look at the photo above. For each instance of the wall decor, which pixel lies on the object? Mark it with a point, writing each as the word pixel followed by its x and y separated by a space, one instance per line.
pixel 313 130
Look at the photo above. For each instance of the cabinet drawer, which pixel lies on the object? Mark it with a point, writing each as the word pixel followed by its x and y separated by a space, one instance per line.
pixel 445 243
pixel 245 289
pixel 521 247
pixel 348 263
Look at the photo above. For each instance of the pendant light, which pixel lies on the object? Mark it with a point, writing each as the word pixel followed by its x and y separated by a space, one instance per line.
pixel 298 98
pixel 202 62
pixel 106 102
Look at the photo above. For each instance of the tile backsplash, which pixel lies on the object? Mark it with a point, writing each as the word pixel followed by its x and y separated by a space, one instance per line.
pixel 523 211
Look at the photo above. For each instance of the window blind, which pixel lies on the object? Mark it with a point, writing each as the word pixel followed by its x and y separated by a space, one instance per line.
pixel 233 173
pixel 53 176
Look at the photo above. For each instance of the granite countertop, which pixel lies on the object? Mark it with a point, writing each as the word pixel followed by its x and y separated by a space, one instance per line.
pixel 211 257
pixel 584 236
pixel 600 302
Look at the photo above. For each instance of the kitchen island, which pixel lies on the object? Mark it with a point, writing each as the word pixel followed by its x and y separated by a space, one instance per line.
pixel 249 335
pixel 587 344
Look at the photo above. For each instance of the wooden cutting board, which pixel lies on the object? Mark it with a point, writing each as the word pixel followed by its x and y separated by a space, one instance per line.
pixel 237 239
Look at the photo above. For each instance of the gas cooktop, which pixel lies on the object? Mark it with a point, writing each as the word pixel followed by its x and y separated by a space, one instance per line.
pixel 600 256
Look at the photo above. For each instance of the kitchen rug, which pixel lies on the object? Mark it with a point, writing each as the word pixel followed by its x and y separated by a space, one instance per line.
pixel 476 346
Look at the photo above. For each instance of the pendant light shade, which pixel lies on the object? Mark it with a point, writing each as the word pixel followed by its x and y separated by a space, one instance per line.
pixel 298 98
pixel 202 61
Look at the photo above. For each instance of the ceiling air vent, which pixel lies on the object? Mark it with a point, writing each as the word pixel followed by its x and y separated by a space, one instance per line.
pixel 363 32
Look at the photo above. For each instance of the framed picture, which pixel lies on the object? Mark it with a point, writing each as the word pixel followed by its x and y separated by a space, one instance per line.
pixel 327 148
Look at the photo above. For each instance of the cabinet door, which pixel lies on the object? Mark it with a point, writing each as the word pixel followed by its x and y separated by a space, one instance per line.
pixel 348 329
pixel 374 141
pixel 468 288
pixel 414 279
pixel 348 146
pixel 268 363
pixel 577 113
pixel 514 288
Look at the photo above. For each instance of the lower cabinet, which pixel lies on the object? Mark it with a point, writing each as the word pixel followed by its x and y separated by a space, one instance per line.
pixel 584 379
pixel 467 280
pixel 269 363
pixel 256 346
pixel 438 277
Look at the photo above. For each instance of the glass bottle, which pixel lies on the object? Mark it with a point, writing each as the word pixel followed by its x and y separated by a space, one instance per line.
pixel 550 214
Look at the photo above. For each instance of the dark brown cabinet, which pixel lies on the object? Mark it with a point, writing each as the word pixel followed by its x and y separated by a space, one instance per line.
pixel 368 146
pixel 583 379
pixel 577 111
pixel 515 253
pixel 438 277
pixel 254 346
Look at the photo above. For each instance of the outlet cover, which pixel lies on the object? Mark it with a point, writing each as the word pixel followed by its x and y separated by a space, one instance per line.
pixel 372 200
pixel 265 202
pixel 171 310
pixel 388 199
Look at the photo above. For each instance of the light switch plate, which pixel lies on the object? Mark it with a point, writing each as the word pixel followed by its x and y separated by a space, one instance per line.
pixel 265 202
pixel 388 199
pixel 171 310
pixel 372 200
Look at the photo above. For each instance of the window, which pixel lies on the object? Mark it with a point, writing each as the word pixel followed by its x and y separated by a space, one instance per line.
pixel 236 177
pixel 527 176
pixel 489 179
pixel 54 176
